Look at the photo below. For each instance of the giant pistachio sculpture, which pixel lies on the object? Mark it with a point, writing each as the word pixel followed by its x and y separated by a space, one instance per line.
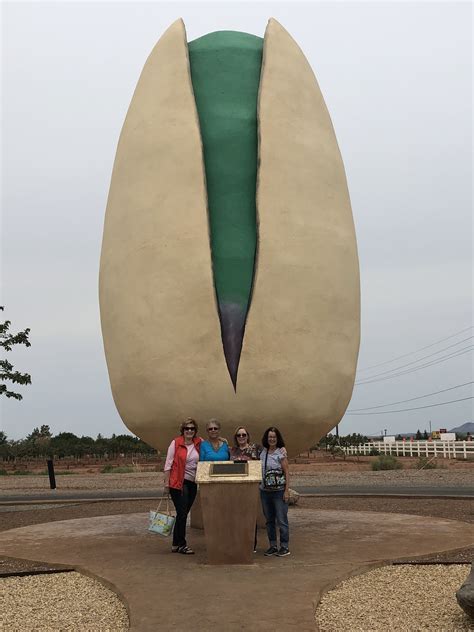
pixel 229 281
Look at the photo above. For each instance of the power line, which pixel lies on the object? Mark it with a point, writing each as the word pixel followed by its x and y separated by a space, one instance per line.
pixel 417 368
pixel 403 410
pixel 373 366
pixel 430 355
pixel 411 399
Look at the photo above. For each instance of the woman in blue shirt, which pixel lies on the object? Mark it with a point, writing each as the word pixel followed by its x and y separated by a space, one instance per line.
pixel 215 448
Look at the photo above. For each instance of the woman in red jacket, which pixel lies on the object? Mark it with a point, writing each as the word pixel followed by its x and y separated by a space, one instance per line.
pixel 180 474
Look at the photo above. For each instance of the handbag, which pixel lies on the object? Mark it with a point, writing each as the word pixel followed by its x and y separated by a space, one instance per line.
pixel 273 479
pixel 162 522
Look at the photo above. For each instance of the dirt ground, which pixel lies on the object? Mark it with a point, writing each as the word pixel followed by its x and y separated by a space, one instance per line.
pixel 323 462
pixel 307 462
pixel 301 474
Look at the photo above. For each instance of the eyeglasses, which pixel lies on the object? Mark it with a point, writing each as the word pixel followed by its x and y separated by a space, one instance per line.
pixel 190 428
pixel 212 429
pixel 241 434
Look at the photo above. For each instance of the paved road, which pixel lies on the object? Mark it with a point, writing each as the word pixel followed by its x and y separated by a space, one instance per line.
pixel 341 490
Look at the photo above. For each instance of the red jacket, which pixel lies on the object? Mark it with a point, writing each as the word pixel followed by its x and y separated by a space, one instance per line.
pixel 179 461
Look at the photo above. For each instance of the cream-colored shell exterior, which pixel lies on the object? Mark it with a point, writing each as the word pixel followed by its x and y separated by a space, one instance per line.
pixel 159 318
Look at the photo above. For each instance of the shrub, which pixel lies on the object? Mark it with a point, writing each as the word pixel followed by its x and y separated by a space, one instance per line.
pixel 3 472
pixel 336 451
pixel 386 462
pixel 374 452
pixel 424 463
pixel 22 473
pixel 110 469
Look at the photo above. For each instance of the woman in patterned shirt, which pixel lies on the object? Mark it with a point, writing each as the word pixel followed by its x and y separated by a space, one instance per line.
pixel 243 450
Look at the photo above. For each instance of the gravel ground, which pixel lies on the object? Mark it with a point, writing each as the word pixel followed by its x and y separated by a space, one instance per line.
pixel 63 601
pixel 14 485
pixel 398 598
pixel 34 484
pixel 405 478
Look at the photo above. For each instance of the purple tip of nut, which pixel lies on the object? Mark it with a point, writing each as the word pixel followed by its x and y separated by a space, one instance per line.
pixel 232 317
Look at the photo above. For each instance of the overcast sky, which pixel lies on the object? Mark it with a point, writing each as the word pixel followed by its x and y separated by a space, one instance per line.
pixel 396 78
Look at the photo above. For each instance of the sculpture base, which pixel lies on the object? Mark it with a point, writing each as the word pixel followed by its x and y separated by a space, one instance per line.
pixel 198 523
pixel 229 514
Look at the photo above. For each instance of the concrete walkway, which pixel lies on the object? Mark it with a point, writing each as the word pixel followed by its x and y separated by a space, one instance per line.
pixel 166 591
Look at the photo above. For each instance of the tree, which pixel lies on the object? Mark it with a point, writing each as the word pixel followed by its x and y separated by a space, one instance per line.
pixel 37 442
pixel 63 444
pixel 43 432
pixel 418 435
pixel 3 438
pixel 7 342
pixel 425 435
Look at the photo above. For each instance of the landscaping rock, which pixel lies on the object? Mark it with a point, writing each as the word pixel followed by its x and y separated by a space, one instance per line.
pixel 294 497
pixel 465 595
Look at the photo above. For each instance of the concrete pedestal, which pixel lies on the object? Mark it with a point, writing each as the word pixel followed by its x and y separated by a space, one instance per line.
pixel 198 523
pixel 229 512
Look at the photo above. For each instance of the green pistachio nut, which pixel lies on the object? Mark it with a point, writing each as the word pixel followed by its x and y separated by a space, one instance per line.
pixel 229 278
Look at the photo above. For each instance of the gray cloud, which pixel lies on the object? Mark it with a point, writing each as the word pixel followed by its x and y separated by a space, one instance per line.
pixel 397 81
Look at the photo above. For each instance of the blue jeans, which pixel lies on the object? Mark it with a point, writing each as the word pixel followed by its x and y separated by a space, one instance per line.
pixel 276 511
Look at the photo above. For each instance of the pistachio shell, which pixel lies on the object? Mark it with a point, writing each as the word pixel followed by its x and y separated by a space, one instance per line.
pixel 159 318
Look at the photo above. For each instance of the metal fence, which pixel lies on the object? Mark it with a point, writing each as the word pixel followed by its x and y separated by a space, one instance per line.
pixel 441 449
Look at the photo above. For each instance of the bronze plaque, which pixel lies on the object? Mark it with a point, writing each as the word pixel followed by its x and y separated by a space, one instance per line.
pixel 229 469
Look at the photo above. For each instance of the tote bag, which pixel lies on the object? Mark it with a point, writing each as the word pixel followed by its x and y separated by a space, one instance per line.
pixel 162 521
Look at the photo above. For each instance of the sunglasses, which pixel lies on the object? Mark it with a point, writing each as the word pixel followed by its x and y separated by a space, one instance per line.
pixel 190 428
pixel 212 429
pixel 241 434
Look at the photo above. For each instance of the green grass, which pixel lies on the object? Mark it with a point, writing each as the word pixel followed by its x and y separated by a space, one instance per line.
pixel 22 473
pixel 3 472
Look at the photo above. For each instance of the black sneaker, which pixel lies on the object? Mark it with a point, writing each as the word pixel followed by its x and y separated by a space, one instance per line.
pixel 283 552
pixel 271 551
